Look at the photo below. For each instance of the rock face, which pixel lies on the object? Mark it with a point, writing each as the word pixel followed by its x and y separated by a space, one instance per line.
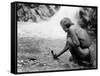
pixel 35 12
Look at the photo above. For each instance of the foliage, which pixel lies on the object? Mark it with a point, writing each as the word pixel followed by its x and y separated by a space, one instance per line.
pixel 88 18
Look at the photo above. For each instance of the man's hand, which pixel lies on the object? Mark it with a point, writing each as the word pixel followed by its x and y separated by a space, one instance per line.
pixel 54 55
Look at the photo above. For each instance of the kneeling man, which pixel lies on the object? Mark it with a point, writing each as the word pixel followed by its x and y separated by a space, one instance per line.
pixel 78 42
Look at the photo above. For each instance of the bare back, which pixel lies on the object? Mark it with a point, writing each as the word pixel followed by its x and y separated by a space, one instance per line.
pixel 82 36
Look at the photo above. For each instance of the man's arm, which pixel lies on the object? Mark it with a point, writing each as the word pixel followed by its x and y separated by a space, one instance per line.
pixel 64 50
pixel 55 56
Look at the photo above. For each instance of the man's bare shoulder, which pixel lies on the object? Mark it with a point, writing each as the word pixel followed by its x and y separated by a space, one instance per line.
pixel 76 28
pixel 73 28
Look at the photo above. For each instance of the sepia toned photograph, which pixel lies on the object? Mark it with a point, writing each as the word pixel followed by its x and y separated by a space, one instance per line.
pixel 54 37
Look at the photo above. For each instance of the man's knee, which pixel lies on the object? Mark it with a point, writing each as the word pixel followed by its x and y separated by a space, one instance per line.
pixel 84 52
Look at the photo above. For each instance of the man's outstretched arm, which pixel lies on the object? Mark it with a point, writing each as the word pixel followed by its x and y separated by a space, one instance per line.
pixel 55 56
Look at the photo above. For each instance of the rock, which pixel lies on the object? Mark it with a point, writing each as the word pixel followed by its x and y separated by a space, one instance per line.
pixel 36 12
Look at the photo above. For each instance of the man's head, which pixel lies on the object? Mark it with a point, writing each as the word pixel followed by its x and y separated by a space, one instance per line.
pixel 66 23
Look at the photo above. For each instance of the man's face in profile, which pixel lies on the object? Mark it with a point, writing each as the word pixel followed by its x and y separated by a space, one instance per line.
pixel 66 23
pixel 66 27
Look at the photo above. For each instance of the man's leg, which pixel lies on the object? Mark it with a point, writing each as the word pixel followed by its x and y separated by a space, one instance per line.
pixel 72 51
pixel 84 57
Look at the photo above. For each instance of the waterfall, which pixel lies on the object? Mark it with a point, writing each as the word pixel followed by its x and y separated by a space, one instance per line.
pixel 50 28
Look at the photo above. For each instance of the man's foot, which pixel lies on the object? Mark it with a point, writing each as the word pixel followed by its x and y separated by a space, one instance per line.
pixel 86 63
pixel 71 59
